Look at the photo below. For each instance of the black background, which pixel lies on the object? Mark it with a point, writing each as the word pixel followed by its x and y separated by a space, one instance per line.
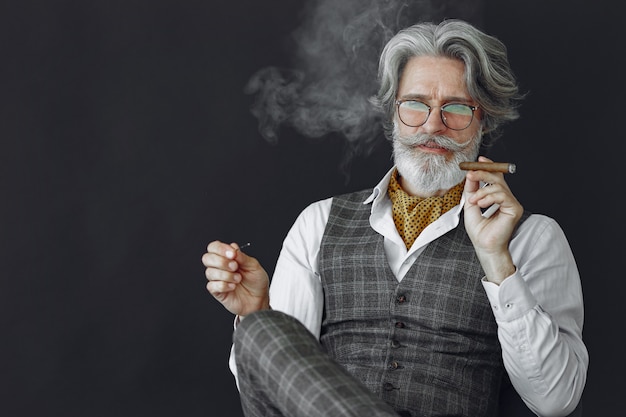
pixel 128 144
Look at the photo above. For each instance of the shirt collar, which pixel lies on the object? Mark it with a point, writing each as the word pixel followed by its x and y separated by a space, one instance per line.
pixel 380 190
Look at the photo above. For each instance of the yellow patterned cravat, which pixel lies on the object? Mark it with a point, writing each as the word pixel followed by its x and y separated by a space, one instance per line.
pixel 412 214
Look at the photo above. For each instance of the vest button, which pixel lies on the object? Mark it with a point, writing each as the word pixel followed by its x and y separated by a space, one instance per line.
pixel 394 365
pixel 401 299
pixel 388 386
pixel 400 325
pixel 395 344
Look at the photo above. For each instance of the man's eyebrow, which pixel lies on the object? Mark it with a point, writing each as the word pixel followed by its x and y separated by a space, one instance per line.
pixel 448 99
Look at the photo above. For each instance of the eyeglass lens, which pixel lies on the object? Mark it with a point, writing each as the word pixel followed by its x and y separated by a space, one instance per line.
pixel 454 115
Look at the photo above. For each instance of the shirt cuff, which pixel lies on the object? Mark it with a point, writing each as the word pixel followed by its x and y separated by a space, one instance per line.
pixel 511 299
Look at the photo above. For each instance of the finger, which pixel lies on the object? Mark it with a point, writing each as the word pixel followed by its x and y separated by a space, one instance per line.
pixel 471 185
pixel 487 200
pixel 474 190
pixel 491 193
pixel 213 260
pixel 498 200
pixel 244 261
pixel 220 288
pixel 485 177
pixel 214 274
pixel 223 249
pixel 214 246
pixel 486 190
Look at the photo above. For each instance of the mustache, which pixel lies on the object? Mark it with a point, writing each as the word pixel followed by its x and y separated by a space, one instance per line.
pixel 439 140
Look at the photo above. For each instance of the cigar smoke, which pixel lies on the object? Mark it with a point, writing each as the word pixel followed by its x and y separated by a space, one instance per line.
pixel 334 72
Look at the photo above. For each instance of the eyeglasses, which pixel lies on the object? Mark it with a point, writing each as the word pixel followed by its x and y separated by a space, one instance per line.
pixel 456 116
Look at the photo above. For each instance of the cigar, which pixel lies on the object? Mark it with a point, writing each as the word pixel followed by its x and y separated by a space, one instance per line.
pixel 488 166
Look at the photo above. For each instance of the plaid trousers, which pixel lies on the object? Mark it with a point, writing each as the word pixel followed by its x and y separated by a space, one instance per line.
pixel 283 371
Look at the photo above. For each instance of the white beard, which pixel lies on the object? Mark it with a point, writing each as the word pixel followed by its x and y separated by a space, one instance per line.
pixel 428 173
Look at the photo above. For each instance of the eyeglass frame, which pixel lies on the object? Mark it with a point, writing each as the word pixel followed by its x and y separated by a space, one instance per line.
pixel 443 120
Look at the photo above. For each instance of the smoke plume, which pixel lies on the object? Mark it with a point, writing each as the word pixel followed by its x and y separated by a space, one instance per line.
pixel 334 72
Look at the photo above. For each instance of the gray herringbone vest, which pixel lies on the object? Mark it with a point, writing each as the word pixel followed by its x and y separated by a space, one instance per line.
pixel 428 345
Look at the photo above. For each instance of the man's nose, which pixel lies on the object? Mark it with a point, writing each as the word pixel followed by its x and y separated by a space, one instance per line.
pixel 434 123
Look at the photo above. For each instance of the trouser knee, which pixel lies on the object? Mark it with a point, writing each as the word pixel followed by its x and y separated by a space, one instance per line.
pixel 267 327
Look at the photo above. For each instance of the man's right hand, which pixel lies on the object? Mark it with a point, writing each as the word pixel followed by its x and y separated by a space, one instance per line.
pixel 236 280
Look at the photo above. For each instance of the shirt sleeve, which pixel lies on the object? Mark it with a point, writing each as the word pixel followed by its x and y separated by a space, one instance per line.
pixel 295 288
pixel 539 312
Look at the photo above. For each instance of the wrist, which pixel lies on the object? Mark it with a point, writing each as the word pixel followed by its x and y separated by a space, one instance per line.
pixel 264 305
pixel 497 267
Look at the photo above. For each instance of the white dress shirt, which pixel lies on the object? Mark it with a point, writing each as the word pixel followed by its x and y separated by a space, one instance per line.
pixel 538 309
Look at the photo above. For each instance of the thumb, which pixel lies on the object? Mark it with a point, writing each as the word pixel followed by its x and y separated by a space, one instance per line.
pixel 470 187
pixel 244 261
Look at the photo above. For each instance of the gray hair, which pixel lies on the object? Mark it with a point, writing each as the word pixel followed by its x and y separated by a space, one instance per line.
pixel 488 76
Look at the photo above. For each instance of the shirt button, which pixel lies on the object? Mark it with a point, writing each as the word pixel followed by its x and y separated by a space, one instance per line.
pixel 401 299
pixel 394 365
pixel 400 325
pixel 395 344
pixel 388 386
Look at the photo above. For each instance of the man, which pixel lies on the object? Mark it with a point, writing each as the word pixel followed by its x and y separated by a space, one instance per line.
pixel 432 308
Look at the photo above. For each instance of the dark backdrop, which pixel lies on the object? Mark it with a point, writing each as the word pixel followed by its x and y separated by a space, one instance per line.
pixel 128 144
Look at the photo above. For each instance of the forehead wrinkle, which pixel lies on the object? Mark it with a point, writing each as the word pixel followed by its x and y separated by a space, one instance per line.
pixel 436 79
pixel 429 97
